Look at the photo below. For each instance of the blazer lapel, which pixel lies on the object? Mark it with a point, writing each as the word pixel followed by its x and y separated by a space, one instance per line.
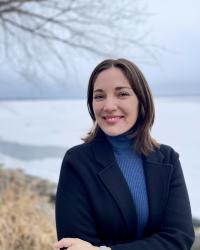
pixel 115 183
pixel 157 176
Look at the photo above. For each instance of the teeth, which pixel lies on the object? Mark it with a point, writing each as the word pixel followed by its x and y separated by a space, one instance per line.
pixel 112 118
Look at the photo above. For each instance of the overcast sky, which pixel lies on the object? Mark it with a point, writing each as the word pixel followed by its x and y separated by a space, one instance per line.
pixel 174 25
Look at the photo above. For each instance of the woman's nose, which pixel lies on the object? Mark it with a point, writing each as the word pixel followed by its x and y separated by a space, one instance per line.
pixel 110 104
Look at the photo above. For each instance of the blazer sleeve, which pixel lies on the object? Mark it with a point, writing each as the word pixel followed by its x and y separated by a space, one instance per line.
pixel 73 212
pixel 177 231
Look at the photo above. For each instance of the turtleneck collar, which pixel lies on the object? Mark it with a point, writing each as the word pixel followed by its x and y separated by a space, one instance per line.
pixel 120 142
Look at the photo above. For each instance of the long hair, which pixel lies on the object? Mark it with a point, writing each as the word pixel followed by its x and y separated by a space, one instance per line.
pixel 143 142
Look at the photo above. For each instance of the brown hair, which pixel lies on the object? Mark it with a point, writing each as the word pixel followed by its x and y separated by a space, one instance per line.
pixel 143 142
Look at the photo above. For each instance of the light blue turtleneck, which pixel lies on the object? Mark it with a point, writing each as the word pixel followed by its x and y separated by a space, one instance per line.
pixel 131 166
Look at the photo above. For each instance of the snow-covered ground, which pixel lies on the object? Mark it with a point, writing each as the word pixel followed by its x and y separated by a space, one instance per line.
pixel 35 134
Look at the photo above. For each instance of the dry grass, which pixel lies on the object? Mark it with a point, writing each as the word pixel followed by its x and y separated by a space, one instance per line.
pixel 26 216
pixel 26 220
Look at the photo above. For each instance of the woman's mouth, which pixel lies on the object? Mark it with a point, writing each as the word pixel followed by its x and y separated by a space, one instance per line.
pixel 112 119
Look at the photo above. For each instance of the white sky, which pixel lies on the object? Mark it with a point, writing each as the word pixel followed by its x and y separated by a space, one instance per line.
pixel 176 26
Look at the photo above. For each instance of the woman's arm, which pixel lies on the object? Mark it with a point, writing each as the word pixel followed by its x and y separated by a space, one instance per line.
pixel 73 211
pixel 176 231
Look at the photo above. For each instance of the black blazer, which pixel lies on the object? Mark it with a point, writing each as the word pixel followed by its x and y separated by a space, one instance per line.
pixel 94 203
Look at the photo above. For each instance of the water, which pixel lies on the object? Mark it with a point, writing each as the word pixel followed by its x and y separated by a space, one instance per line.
pixel 34 135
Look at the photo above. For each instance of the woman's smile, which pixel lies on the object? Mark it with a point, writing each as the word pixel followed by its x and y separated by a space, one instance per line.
pixel 115 104
pixel 112 119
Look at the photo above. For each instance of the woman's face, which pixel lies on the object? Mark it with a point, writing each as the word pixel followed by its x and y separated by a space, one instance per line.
pixel 114 103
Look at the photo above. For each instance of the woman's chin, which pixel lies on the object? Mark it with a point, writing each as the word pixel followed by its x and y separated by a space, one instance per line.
pixel 113 132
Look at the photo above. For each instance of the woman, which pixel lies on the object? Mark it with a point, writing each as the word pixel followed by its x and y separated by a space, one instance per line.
pixel 121 189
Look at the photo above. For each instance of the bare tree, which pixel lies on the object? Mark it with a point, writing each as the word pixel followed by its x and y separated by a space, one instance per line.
pixel 31 30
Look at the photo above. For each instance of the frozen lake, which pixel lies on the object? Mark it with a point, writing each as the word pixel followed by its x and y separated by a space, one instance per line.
pixel 34 135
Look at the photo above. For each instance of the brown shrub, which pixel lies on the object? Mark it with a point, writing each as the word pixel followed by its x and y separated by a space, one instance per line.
pixel 26 220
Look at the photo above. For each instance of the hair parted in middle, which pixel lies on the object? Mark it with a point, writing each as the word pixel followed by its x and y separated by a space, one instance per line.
pixel 143 142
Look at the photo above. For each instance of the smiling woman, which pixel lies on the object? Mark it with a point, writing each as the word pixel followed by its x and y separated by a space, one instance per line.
pixel 121 189
pixel 118 93
pixel 115 104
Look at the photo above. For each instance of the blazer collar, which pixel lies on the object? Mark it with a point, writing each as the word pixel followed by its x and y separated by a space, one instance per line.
pixel 115 183
pixel 157 174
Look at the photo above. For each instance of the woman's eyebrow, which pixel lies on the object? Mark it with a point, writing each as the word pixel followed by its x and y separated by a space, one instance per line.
pixel 119 88
pixel 98 90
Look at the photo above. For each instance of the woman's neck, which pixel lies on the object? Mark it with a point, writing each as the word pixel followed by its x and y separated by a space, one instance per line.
pixel 120 142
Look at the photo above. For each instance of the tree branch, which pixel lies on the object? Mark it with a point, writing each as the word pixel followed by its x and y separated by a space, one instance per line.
pixel 98 27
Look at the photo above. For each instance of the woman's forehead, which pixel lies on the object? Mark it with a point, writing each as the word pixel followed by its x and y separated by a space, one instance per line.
pixel 112 77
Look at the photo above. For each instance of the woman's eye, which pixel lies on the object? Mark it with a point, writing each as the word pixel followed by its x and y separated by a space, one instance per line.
pixel 98 97
pixel 123 94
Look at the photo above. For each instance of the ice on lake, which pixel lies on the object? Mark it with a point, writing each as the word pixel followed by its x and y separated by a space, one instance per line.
pixel 34 135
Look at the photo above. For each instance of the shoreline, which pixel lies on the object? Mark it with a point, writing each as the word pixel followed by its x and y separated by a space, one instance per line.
pixel 39 185
pixel 45 192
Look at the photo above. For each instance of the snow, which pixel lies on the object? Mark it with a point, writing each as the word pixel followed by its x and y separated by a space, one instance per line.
pixel 39 127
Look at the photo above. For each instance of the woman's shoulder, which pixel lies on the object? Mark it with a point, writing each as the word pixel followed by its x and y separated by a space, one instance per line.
pixel 164 154
pixel 79 150
pixel 167 149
